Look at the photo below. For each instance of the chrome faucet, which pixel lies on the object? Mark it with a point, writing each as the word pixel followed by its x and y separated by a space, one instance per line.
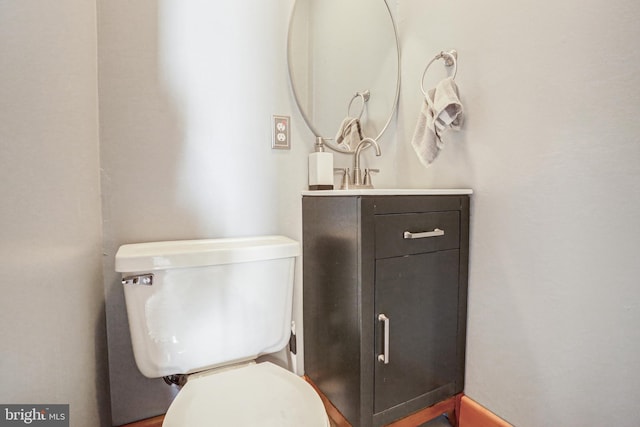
pixel 357 177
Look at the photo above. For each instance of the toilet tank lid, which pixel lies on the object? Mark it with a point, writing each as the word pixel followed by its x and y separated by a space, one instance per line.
pixel 140 257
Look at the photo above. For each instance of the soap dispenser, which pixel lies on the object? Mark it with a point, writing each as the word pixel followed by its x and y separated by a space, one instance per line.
pixel 320 167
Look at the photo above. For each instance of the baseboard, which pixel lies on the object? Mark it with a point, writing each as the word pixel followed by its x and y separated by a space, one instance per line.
pixel 149 422
pixel 472 414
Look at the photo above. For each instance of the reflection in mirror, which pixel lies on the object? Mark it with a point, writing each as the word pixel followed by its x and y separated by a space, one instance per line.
pixel 344 64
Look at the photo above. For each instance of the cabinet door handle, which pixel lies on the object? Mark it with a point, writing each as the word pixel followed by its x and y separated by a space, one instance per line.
pixel 384 357
pixel 434 233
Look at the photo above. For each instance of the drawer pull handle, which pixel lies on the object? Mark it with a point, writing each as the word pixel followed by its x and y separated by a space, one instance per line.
pixel 384 357
pixel 436 232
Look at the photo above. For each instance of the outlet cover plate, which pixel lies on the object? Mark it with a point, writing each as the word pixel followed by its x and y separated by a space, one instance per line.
pixel 281 139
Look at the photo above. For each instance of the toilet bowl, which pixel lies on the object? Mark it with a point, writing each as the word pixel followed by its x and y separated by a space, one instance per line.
pixel 259 394
pixel 206 309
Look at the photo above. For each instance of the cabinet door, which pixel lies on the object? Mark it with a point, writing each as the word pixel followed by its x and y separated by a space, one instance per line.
pixel 419 295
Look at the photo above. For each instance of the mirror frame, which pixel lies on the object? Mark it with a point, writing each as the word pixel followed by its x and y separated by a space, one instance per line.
pixel 328 142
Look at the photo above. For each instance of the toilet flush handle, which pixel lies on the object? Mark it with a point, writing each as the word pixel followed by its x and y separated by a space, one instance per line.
pixel 140 279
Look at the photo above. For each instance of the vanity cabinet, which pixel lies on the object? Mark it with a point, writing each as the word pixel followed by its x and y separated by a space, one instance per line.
pixel 385 301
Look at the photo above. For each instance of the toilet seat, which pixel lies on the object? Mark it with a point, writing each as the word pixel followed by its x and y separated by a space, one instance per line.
pixel 257 394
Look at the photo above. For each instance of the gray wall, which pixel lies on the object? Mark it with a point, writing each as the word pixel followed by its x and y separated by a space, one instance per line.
pixel 187 91
pixel 551 148
pixel 52 332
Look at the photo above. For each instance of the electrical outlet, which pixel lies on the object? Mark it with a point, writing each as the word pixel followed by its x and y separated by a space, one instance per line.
pixel 281 135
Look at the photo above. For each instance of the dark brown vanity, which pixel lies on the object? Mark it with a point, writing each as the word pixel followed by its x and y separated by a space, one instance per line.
pixel 385 299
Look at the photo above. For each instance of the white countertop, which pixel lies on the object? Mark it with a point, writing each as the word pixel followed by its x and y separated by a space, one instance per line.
pixel 392 192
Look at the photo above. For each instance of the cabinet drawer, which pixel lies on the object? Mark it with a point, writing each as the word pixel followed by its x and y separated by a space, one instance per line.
pixel 430 232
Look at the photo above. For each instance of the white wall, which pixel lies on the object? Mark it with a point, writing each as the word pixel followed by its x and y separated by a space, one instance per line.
pixel 52 307
pixel 550 146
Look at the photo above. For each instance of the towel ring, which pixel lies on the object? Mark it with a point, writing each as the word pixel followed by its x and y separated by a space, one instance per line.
pixel 365 97
pixel 450 58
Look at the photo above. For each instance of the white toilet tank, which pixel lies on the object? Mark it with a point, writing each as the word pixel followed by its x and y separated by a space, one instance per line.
pixel 210 302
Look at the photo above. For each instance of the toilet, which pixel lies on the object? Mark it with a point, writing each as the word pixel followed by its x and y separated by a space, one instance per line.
pixel 204 310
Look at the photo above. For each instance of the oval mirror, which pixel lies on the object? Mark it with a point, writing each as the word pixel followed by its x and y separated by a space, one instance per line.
pixel 344 61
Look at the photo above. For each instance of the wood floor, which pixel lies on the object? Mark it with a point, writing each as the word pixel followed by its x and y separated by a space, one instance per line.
pixel 337 420
pixel 149 422
pixel 461 411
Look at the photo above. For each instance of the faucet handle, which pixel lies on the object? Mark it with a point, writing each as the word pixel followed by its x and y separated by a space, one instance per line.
pixel 346 179
pixel 367 177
